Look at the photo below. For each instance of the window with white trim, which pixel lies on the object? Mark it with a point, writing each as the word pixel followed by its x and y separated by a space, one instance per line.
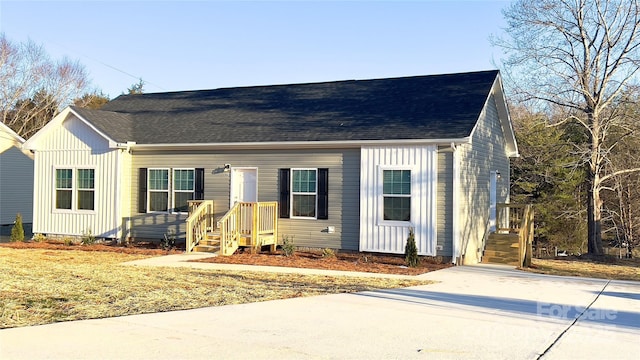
pixel 78 194
pixel 64 188
pixel 86 189
pixel 183 189
pixel 303 193
pixel 158 189
pixel 396 193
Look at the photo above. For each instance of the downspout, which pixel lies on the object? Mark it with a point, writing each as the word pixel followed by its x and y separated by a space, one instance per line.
pixel 456 257
pixel 118 229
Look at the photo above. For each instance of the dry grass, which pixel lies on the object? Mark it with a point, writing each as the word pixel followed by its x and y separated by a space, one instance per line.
pixel 42 286
pixel 622 270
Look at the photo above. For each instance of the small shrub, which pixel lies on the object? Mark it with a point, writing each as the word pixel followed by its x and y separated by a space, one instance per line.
pixel 288 248
pixel 328 253
pixel 17 231
pixel 169 240
pixel 39 238
pixel 411 250
pixel 68 240
pixel 88 238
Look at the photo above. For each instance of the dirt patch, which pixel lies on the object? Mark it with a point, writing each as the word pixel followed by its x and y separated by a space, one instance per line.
pixel 343 261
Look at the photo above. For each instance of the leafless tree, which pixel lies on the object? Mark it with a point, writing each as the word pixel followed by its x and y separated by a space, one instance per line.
pixel 33 87
pixel 581 55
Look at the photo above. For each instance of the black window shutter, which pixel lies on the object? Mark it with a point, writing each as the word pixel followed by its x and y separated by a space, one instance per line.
pixel 142 190
pixel 323 194
pixel 284 192
pixel 199 184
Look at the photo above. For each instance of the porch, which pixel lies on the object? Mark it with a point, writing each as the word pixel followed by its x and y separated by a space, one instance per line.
pixel 512 241
pixel 246 224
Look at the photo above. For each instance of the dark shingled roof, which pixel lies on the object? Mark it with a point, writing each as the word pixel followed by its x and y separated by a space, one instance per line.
pixel 420 107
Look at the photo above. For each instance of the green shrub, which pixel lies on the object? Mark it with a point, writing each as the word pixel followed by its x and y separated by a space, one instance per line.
pixel 68 240
pixel 328 253
pixel 17 231
pixel 169 240
pixel 411 250
pixel 88 238
pixel 288 248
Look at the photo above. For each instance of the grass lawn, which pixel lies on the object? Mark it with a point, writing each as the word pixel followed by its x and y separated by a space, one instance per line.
pixel 41 286
pixel 613 269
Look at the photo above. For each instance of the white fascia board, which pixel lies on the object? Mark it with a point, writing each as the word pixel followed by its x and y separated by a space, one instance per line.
pixel 299 144
pixel 11 133
pixel 503 116
pixel 32 143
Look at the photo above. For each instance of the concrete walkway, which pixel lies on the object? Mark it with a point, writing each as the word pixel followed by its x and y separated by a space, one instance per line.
pixel 476 312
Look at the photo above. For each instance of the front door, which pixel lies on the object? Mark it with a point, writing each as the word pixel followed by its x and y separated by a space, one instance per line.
pixel 244 185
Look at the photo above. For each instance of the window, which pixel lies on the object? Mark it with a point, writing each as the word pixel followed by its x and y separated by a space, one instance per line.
pixel 303 193
pixel 396 191
pixel 64 188
pixel 86 189
pixel 183 188
pixel 169 190
pixel 158 189
pixel 81 192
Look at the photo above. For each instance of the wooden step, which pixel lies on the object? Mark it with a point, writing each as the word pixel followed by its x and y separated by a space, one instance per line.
pixel 500 260
pixel 206 248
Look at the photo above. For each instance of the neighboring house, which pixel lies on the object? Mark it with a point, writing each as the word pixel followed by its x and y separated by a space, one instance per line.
pixel 353 164
pixel 16 178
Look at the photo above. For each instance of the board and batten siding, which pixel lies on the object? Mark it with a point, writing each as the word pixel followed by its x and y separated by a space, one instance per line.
pixel 377 235
pixel 74 145
pixel 344 184
pixel 486 153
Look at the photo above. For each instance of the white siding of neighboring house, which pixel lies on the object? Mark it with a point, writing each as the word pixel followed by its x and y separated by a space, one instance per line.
pixel 16 180
pixel 75 145
pixel 377 235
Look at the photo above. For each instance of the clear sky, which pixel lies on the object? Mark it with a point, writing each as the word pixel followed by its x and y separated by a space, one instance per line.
pixel 191 45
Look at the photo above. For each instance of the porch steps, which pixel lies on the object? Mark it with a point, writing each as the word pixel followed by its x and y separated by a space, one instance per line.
pixel 501 249
pixel 210 244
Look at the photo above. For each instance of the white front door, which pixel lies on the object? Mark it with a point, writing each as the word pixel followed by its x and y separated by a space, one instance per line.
pixel 244 185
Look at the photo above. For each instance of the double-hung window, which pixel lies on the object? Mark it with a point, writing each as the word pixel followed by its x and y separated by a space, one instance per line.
pixel 169 189
pixel 64 188
pixel 75 189
pixel 303 192
pixel 396 193
pixel 158 189
pixel 183 188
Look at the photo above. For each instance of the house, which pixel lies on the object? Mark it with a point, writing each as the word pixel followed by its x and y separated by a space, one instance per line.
pixel 353 165
pixel 16 178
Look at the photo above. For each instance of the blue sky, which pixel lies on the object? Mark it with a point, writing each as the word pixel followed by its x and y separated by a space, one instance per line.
pixel 190 45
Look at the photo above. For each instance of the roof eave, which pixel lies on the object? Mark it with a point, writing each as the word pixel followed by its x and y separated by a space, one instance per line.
pixel 299 144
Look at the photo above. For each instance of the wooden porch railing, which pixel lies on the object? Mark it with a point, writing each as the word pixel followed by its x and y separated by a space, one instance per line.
pixel 199 222
pixel 517 218
pixel 253 220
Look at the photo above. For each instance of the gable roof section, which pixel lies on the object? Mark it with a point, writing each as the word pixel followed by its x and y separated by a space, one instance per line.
pixel 437 107
pixel 12 134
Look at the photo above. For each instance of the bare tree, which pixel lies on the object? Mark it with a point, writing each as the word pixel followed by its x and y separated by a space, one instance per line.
pixel 33 87
pixel 581 55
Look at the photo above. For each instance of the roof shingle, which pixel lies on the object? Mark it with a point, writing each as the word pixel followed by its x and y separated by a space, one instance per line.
pixel 420 107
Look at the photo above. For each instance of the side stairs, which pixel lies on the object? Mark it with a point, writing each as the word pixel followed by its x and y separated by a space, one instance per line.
pixel 211 244
pixel 501 249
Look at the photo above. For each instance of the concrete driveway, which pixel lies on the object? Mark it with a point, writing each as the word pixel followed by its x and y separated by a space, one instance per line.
pixel 474 312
